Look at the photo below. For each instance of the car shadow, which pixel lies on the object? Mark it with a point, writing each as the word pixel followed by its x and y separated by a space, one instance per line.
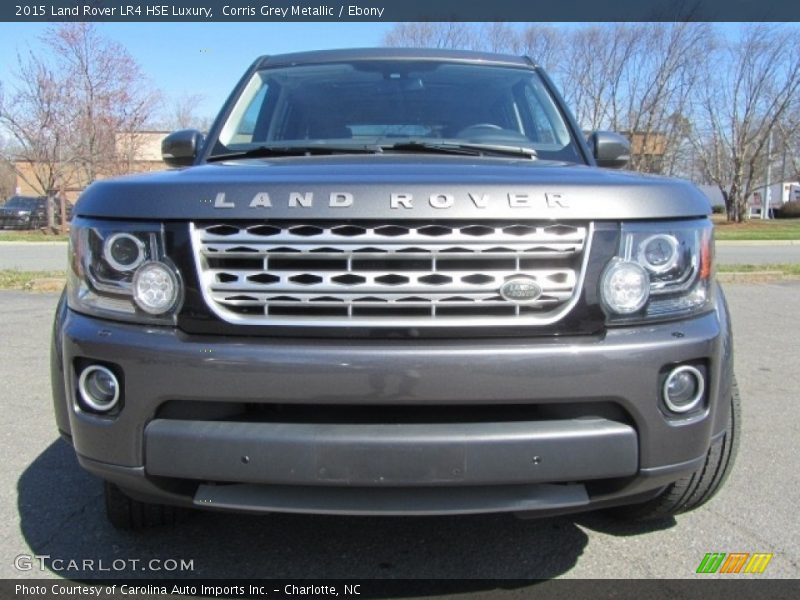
pixel 618 528
pixel 62 515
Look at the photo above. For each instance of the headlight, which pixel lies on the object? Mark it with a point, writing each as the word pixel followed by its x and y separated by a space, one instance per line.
pixel 662 270
pixel 626 287
pixel 155 288
pixel 121 271
pixel 124 251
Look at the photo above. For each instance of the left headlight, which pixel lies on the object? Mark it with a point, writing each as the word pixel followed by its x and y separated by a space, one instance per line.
pixel 121 271
pixel 662 270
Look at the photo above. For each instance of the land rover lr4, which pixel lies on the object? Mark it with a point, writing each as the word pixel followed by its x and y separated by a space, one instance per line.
pixel 395 282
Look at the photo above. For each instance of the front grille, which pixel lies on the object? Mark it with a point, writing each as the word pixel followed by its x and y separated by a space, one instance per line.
pixel 388 274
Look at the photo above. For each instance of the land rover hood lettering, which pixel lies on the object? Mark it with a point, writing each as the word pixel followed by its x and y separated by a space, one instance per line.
pixel 396 200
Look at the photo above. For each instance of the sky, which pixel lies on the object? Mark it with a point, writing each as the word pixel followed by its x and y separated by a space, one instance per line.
pixel 201 58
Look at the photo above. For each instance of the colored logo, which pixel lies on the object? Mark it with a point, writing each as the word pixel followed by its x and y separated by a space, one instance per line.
pixel 735 562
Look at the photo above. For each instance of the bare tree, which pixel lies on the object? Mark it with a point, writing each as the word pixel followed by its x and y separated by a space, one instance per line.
pixel 751 85
pixel 107 95
pixel 35 119
pixel 183 113
pixel 541 43
pixel 8 177
pixel 434 35
pixel 544 45
pixel 594 73
pixel 660 80
pixel 74 110
pixel 637 78
pixel 680 155
pixel 788 144
pixel 498 37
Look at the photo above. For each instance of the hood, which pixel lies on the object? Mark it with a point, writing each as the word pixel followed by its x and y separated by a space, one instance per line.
pixel 392 186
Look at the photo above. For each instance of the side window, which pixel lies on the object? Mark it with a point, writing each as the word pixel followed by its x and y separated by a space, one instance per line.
pixel 243 120
pixel 543 123
pixel 247 126
pixel 541 126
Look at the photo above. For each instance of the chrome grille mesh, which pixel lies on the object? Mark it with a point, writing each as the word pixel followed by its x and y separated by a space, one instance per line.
pixel 395 274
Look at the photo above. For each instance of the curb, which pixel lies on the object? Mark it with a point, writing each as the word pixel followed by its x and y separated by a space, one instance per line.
pixel 36 243
pixel 757 242
pixel 751 276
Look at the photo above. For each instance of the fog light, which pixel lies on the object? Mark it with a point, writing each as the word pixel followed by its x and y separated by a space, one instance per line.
pixel 625 287
pixel 683 389
pixel 99 388
pixel 155 288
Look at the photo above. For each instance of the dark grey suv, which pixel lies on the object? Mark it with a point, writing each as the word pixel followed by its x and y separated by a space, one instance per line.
pixel 395 282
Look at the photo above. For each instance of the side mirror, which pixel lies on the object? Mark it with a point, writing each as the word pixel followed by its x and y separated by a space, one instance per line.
pixel 180 148
pixel 610 150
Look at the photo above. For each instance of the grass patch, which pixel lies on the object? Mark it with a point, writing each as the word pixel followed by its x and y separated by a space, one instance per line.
pixel 756 229
pixel 31 236
pixel 23 280
pixel 790 269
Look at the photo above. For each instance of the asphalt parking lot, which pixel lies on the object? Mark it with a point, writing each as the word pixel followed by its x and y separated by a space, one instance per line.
pixel 51 507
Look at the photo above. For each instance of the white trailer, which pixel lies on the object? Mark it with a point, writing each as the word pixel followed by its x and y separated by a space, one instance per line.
pixel 774 196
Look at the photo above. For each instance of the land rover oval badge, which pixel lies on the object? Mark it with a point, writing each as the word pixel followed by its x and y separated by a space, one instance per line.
pixel 520 290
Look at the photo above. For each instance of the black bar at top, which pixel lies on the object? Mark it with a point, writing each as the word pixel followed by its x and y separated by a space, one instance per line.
pixel 399 10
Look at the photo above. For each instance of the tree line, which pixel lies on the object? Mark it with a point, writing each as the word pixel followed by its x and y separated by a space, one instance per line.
pixel 698 101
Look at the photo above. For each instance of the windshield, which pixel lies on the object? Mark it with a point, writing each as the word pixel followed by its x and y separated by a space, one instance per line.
pixel 384 102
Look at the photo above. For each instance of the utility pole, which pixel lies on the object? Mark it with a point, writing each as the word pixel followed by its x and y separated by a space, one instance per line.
pixel 783 173
pixel 767 190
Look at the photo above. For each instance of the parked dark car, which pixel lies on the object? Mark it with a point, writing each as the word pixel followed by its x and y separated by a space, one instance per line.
pixel 28 212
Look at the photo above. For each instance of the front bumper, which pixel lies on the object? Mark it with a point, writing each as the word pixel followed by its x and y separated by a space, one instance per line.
pixel 580 458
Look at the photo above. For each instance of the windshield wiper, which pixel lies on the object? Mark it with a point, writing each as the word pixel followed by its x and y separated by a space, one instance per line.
pixel 292 150
pixel 459 148
pixel 465 148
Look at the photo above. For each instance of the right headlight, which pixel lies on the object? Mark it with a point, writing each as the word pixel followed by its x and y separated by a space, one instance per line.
pixel 662 270
pixel 121 271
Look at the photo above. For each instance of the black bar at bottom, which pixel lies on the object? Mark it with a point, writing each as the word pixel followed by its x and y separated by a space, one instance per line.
pixel 705 588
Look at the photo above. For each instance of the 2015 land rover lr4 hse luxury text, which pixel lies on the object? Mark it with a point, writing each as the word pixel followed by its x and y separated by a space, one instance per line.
pixel 395 282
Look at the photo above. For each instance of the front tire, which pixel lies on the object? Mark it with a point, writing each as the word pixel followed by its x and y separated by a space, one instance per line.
pixel 698 488
pixel 127 514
